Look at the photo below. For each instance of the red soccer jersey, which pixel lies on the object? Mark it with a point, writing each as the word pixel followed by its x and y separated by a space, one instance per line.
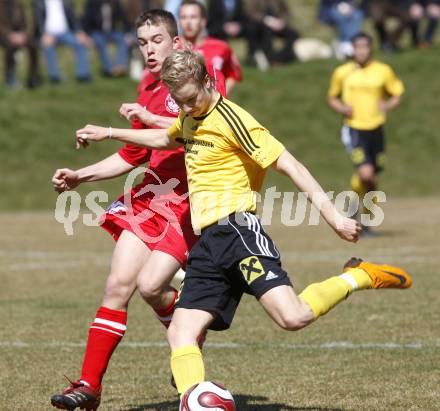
pixel 218 54
pixel 165 164
pixel 155 97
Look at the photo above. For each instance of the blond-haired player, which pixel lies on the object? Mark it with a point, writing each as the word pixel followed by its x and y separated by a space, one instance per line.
pixel 227 153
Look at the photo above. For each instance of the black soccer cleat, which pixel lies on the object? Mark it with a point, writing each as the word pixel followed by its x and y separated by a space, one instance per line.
pixel 77 395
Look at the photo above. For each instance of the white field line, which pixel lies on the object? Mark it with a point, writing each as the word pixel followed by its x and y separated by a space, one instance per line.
pixel 47 265
pixel 331 345
pixel 42 260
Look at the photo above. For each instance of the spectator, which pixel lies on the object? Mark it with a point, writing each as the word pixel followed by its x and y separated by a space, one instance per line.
pixel 217 53
pixel 226 19
pixel 347 18
pixel 134 8
pixel 173 7
pixel 106 22
pixel 13 36
pixel 380 10
pixel 269 19
pixel 419 9
pixel 56 25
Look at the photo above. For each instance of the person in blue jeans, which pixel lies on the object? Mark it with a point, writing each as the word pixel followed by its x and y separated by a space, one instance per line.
pixel 346 17
pixel 418 9
pixel 56 25
pixel 105 21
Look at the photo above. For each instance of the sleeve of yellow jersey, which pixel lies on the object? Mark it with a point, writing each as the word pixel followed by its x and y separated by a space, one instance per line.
pixel 335 88
pixel 260 145
pixel 393 85
pixel 176 129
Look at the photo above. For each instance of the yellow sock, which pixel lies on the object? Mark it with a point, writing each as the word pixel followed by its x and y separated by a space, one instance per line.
pixel 360 189
pixel 187 367
pixel 361 278
pixel 357 185
pixel 322 297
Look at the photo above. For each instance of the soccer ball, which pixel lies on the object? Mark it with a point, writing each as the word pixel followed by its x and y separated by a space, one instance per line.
pixel 209 396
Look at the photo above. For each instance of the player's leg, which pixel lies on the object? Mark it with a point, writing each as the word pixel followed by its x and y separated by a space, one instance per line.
pixel 186 357
pixel 208 299
pixel 294 312
pixel 129 256
pixel 109 326
pixel 154 284
pixel 269 283
pixel 365 148
pixel 367 177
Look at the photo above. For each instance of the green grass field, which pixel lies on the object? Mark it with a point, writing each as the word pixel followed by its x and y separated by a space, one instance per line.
pixel 37 128
pixel 377 351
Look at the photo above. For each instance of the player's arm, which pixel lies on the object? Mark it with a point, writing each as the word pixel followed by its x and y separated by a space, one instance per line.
pixel 158 139
pixel 132 111
pixel 347 228
pixel 113 166
pixel 394 87
pixel 389 105
pixel 339 106
pixel 230 83
pixel 334 96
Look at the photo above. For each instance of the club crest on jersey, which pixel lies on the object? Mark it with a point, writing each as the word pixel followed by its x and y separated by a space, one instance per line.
pixel 217 62
pixel 171 105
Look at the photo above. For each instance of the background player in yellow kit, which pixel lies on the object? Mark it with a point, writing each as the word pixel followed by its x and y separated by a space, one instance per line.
pixel 363 91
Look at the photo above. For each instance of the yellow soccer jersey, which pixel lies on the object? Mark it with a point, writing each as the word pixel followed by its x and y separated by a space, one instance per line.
pixel 363 88
pixel 226 155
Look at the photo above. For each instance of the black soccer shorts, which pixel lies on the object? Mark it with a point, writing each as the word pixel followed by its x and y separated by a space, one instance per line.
pixel 365 146
pixel 232 257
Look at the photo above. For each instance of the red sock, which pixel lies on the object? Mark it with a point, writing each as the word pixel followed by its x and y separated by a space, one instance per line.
pixel 165 315
pixel 105 333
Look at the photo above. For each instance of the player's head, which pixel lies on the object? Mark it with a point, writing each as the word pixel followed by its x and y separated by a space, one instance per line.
pixel 157 38
pixel 362 48
pixel 185 75
pixel 192 19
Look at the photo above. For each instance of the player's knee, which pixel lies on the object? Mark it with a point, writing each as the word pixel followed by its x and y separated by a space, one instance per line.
pixel 172 334
pixel 367 178
pixel 150 292
pixel 295 321
pixel 116 289
pixel 179 335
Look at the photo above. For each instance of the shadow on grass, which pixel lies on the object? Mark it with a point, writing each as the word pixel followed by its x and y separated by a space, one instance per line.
pixel 242 402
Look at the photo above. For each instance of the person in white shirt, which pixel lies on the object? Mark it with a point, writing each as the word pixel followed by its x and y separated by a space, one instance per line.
pixel 56 25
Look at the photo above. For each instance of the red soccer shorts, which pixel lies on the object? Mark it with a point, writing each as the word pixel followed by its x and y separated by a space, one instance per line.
pixel 162 222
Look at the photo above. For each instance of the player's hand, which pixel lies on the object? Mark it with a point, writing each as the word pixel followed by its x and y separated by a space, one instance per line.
pixel 347 111
pixel 132 111
pixel 90 133
pixel 65 179
pixel 347 228
pixel 383 106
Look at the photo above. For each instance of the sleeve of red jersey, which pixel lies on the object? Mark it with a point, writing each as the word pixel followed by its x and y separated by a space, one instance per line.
pixel 232 68
pixel 134 155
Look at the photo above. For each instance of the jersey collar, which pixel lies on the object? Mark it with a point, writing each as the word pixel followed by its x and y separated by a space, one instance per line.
pixel 219 100
pixel 149 81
